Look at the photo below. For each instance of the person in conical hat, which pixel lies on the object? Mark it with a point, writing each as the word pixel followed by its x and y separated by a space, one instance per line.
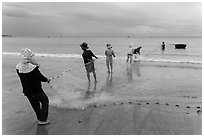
pixel 31 78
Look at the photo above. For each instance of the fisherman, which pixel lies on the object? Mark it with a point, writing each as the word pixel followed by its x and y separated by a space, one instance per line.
pixel 163 46
pixel 109 59
pixel 31 78
pixel 88 61
pixel 130 52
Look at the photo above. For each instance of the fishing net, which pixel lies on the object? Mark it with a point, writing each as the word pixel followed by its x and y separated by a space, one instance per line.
pixel 70 91
pixel 67 91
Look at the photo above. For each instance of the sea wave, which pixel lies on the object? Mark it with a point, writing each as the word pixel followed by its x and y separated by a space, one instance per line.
pixel 46 55
pixel 165 60
pixel 141 58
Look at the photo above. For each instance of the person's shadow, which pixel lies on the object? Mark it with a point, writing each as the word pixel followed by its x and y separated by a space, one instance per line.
pixel 41 130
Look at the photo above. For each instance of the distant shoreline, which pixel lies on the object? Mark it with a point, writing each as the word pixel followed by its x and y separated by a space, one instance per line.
pixel 7 36
pixel 128 37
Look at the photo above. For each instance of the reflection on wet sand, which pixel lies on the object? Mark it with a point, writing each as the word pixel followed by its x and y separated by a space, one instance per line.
pixel 90 93
pixel 109 80
pixel 135 66
pixel 129 72
pixel 110 85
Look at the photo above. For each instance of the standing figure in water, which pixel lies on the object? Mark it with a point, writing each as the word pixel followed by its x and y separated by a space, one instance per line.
pixel 88 61
pixel 109 59
pixel 130 52
pixel 31 78
pixel 163 46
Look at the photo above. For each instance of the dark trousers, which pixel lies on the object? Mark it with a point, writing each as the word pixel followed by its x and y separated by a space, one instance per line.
pixel 40 104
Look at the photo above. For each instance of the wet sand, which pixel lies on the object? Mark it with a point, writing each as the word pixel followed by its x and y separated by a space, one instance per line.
pixel 139 99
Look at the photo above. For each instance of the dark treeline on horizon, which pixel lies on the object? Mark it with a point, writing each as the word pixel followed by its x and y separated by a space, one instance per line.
pixel 49 36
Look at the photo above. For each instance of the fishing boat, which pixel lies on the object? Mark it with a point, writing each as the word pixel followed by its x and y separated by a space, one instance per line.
pixel 180 45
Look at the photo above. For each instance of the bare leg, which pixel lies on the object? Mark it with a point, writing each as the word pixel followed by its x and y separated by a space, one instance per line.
pixel 88 88
pixel 88 76
pixel 111 65
pixel 127 58
pixel 130 59
pixel 95 85
pixel 94 74
pixel 107 64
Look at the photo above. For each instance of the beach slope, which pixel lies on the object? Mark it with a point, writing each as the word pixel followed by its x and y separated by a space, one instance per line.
pixel 142 98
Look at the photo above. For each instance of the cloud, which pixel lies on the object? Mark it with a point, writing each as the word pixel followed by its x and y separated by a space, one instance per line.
pixel 100 18
pixel 15 13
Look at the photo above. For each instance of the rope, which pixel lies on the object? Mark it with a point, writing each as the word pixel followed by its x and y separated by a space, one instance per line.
pixel 187 109
pixel 58 76
pixel 78 67
pixel 152 51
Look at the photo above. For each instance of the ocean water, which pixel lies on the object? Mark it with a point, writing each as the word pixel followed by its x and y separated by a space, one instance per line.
pixel 69 47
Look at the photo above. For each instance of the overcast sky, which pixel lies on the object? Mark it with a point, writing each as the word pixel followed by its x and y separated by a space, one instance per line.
pixel 102 19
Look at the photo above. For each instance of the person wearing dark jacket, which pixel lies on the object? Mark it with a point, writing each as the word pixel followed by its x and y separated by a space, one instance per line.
pixel 31 78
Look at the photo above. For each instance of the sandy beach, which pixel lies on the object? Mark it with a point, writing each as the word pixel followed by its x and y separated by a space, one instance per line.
pixel 142 98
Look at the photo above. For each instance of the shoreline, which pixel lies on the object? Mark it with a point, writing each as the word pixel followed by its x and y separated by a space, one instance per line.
pixel 138 99
pixel 142 58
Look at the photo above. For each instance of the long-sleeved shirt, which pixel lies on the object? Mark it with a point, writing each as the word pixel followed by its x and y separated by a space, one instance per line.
pixel 31 81
pixel 87 56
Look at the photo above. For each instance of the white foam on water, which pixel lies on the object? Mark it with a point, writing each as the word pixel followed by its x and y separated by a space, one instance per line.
pixel 46 55
pixel 166 60
pixel 11 53
pixel 141 57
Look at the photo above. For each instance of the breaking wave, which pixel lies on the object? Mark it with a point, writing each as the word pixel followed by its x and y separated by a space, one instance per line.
pixel 141 58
